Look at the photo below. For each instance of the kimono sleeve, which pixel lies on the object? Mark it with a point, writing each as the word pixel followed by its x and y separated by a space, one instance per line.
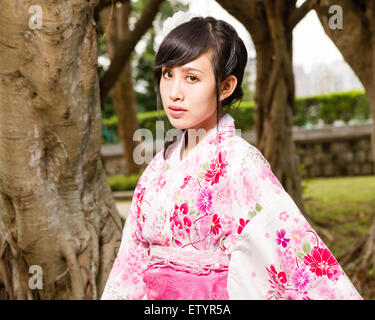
pixel 125 281
pixel 277 254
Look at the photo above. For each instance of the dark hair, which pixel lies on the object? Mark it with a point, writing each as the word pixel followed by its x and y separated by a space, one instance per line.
pixel 195 37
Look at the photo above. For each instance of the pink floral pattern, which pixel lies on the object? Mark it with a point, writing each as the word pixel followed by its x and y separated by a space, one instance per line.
pixel 322 263
pixel 223 198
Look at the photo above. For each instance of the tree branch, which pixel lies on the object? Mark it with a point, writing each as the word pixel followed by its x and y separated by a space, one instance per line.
pixel 107 3
pixel 299 13
pixel 125 48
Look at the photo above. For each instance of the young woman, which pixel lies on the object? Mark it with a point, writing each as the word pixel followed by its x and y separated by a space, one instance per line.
pixel 209 219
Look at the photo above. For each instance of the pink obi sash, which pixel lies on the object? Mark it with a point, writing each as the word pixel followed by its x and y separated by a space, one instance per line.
pixel 178 274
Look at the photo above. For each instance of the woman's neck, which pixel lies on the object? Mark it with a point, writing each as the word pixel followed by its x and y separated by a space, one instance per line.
pixel 198 134
pixel 189 145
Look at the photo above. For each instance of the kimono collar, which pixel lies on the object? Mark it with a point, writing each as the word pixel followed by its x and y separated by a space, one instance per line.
pixel 226 126
pixel 213 137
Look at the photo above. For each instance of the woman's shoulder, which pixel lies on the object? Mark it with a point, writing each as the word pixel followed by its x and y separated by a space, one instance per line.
pixel 241 153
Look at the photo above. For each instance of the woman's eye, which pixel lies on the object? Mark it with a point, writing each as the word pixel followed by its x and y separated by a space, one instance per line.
pixel 194 78
pixel 165 72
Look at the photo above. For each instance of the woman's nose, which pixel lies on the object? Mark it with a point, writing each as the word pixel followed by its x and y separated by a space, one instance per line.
pixel 176 91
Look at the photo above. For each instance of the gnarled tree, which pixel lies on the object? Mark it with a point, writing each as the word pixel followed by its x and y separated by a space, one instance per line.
pixel 356 42
pixel 56 208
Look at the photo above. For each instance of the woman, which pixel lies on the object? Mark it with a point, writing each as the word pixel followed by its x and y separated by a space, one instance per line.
pixel 209 219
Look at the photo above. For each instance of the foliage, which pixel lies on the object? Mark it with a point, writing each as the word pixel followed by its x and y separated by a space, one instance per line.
pixel 349 106
pixel 123 183
pixel 346 106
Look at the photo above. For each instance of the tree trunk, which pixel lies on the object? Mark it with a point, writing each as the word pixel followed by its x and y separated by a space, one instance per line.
pixel 57 212
pixel 267 23
pixel 356 42
pixel 123 92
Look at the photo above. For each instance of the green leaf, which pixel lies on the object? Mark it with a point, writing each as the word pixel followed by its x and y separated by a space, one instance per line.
pixel 300 255
pixel 205 166
pixel 252 214
pixel 201 175
pixel 306 247
pixel 258 207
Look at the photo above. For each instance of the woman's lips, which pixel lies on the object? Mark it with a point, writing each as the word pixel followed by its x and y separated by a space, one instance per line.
pixel 177 113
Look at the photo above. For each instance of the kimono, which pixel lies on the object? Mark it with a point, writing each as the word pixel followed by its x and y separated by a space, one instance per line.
pixel 218 224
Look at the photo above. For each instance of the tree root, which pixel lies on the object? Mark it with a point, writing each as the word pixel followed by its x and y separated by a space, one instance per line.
pixel 359 263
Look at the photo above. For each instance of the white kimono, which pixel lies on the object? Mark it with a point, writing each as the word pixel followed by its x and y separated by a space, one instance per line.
pixel 219 225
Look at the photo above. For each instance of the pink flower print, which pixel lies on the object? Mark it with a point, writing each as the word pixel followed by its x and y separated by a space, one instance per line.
pixel 187 223
pixel 184 208
pixel 204 200
pixel 215 224
pixel 283 216
pixel 282 277
pixel 178 243
pixel 217 169
pixel 223 193
pixel 160 182
pixel 281 238
pixel 139 198
pixel 243 223
pixel 297 235
pixel 252 186
pixel 179 216
pixel 177 221
pixel 217 139
pixel 277 281
pixel 300 278
pixel 167 242
pixel 326 293
pixel 322 263
pixel 186 181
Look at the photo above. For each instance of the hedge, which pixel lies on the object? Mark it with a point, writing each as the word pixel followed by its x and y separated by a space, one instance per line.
pixel 345 106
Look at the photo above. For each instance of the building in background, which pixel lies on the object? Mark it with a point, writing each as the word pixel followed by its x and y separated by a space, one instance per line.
pixel 325 78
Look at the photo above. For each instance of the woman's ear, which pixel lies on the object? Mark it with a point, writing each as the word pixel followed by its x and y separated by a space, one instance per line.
pixel 228 86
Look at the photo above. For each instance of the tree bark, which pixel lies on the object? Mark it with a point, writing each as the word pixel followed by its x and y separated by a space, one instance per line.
pixel 123 92
pixel 356 42
pixel 56 208
pixel 270 24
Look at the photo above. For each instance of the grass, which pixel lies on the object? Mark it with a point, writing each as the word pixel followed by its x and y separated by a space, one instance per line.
pixel 345 204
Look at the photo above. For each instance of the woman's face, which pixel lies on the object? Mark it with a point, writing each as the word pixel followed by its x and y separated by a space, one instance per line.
pixel 191 87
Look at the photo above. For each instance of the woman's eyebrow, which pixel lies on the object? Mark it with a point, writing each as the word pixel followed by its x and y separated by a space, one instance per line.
pixel 190 69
